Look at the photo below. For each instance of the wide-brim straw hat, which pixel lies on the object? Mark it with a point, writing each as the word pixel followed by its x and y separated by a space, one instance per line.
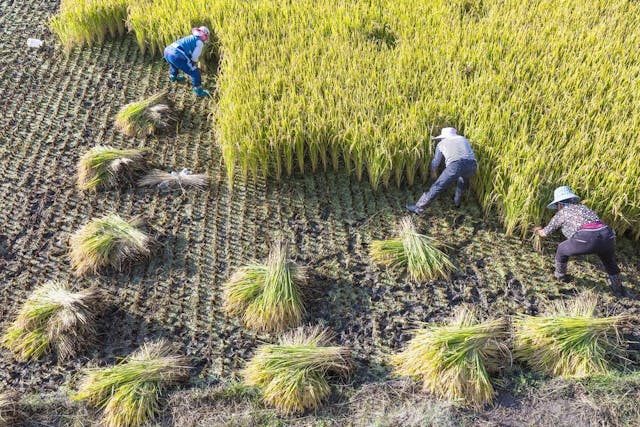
pixel 562 194
pixel 446 133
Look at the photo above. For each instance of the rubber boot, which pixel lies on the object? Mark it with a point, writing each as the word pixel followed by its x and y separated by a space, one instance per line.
pixel 615 282
pixel 200 92
pixel 561 272
pixel 457 196
pixel 177 78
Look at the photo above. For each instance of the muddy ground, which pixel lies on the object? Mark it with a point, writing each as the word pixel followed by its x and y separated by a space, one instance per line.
pixel 55 107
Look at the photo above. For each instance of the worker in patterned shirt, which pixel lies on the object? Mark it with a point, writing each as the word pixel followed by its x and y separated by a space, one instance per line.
pixel 585 233
pixel 183 55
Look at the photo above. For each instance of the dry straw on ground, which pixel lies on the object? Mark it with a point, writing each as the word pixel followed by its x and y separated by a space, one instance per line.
pixel 268 296
pixel 10 410
pixel 292 375
pixel 570 339
pixel 145 117
pixel 130 392
pixel 455 361
pixel 103 167
pixel 109 241
pixel 171 180
pixel 54 317
pixel 414 251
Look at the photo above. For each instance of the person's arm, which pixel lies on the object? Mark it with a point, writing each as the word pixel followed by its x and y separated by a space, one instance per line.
pixel 197 51
pixel 554 224
pixel 435 162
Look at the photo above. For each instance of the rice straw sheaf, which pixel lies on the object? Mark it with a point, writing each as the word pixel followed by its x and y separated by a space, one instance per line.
pixel 269 297
pixel 145 117
pixel 414 251
pixel 455 361
pixel 570 340
pixel 129 393
pixel 54 318
pixel 292 375
pixel 104 167
pixel 183 179
pixel 109 241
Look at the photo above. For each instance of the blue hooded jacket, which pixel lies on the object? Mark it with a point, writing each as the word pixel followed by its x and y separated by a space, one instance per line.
pixel 190 46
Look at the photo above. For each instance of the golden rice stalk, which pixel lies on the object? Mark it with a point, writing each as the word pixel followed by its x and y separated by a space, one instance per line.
pixel 268 296
pixel 183 179
pixel 130 392
pixel 455 361
pixel 569 339
pixel 82 22
pixel 413 251
pixel 292 375
pixel 104 166
pixel 108 241
pixel 54 317
pixel 145 117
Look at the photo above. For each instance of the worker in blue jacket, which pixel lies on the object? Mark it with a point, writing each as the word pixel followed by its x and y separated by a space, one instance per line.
pixel 183 56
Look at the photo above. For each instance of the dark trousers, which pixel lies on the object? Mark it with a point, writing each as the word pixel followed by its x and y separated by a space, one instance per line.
pixel 459 172
pixel 178 61
pixel 601 241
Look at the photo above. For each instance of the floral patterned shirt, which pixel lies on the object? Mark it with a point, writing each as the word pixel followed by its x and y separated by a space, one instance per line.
pixel 570 219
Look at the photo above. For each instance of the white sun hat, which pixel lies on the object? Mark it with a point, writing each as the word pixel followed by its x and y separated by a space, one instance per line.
pixel 562 194
pixel 446 133
pixel 201 32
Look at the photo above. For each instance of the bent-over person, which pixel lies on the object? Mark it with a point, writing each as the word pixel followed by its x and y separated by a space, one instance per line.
pixel 585 233
pixel 460 166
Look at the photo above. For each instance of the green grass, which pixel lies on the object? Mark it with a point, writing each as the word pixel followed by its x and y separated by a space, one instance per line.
pixel 414 252
pixel 455 361
pixel 361 86
pixel 267 296
pixel 145 117
pixel 616 396
pixel 292 375
pixel 130 392
pixel 54 318
pixel 570 340
pixel 103 167
pixel 109 241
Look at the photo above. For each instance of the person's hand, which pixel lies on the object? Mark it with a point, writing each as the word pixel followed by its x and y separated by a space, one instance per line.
pixel 433 174
pixel 539 232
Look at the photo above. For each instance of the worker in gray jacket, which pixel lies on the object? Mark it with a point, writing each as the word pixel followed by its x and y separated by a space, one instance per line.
pixel 460 163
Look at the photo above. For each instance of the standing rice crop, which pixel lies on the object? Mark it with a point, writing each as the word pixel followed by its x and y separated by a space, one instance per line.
pixel 456 361
pixel 360 86
pixel 54 317
pixel 268 296
pixel 570 339
pixel 108 241
pixel 82 22
pixel 130 392
pixel 145 117
pixel 413 251
pixel 104 166
pixel 292 375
